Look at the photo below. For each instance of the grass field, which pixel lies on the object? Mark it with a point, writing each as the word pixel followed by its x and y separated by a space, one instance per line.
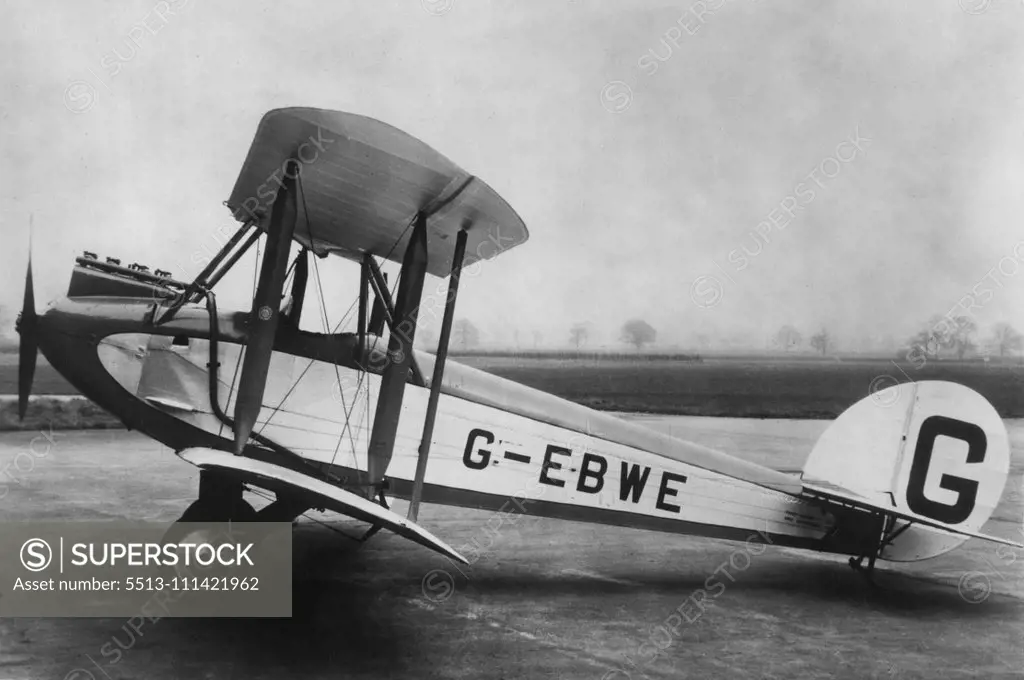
pixel 752 387
pixel 747 387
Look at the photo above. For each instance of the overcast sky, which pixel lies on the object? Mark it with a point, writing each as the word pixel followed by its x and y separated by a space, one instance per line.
pixel 852 164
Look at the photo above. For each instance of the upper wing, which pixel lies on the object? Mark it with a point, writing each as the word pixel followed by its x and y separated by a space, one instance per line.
pixel 272 477
pixel 361 183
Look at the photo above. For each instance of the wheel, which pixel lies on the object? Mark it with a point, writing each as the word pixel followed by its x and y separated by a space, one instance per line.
pixel 205 510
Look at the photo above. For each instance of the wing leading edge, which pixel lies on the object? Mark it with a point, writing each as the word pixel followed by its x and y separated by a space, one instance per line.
pixel 362 182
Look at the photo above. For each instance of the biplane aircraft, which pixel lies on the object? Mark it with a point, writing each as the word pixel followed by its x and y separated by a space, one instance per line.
pixel 342 420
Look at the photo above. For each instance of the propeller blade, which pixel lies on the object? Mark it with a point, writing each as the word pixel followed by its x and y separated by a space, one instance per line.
pixel 263 318
pixel 26 326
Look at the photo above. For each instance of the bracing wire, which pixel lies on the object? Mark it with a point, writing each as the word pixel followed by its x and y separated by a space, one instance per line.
pixel 347 427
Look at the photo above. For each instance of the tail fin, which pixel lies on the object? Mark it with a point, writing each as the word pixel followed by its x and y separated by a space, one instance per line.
pixel 934 453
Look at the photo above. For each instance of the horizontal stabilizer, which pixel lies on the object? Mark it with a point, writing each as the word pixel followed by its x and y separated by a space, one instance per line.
pixel 833 493
pixel 276 478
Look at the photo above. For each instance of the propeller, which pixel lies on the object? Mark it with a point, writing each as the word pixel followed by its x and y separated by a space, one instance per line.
pixel 26 327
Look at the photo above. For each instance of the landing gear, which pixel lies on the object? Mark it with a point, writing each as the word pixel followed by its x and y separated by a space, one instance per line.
pixel 220 500
pixel 217 510
pixel 857 564
pixel 888 533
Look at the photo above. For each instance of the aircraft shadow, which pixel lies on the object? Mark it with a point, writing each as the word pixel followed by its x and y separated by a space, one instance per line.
pixel 363 627
pixel 814 582
pixel 361 611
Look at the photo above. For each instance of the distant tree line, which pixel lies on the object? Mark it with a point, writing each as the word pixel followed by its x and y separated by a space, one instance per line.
pixel 954 336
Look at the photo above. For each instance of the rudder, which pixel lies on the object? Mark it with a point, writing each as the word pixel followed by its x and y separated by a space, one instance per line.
pixel 933 449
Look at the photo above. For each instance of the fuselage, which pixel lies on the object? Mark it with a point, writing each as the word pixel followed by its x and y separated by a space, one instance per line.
pixel 497 445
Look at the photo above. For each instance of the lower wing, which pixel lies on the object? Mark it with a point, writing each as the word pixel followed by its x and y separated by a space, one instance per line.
pixel 276 478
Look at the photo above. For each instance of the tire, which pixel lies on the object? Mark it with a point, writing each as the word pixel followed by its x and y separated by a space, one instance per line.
pixel 204 511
